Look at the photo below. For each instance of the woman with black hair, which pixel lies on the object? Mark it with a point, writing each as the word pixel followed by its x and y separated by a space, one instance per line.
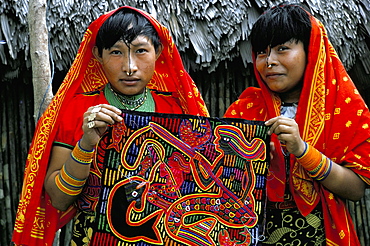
pixel 320 135
pixel 126 60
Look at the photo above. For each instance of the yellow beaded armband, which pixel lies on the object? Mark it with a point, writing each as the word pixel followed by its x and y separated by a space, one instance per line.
pixel 81 155
pixel 68 184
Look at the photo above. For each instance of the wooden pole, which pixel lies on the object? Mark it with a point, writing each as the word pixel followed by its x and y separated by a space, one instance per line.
pixel 41 74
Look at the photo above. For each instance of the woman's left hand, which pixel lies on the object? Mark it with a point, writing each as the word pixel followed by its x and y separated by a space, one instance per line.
pixel 341 180
pixel 287 132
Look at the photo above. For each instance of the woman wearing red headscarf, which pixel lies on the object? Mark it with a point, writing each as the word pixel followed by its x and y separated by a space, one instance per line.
pixel 319 130
pixel 126 60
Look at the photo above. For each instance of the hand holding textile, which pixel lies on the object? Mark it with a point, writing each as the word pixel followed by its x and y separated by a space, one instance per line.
pixel 96 121
pixel 340 180
pixel 287 132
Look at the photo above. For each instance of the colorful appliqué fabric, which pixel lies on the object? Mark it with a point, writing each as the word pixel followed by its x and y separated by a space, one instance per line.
pixel 167 179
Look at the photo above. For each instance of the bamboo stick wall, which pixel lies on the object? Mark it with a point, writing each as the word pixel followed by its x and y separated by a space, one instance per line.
pixel 360 212
pixel 219 89
pixel 16 127
pixel 222 87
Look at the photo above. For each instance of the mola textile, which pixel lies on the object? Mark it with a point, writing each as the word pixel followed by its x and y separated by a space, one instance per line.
pixel 169 179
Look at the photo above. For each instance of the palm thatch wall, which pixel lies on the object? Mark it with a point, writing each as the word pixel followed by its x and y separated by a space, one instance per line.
pixel 212 37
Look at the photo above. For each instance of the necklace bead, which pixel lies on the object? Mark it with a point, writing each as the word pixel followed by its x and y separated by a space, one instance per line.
pixel 130 102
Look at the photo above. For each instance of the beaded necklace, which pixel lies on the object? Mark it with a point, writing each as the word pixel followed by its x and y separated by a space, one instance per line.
pixel 131 102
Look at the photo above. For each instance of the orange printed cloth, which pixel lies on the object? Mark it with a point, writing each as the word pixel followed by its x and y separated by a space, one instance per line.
pixel 36 219
pixel 333 118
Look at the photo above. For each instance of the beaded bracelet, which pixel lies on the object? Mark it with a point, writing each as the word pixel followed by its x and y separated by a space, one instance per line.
pixel 81 155
pixel 68 184
pixel 317 165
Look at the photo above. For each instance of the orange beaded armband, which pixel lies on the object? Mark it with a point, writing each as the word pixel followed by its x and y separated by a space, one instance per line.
pixel 81 155
pixel 317 165
pixel 68 184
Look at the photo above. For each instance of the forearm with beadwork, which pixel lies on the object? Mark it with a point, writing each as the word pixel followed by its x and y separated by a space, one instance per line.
pixel 317 164
pixel 65 181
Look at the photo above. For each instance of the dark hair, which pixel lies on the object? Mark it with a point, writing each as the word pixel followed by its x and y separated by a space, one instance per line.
pixel 125 25
pixel 279 25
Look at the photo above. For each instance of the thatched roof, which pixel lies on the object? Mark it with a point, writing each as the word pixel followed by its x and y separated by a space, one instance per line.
pixel 205 31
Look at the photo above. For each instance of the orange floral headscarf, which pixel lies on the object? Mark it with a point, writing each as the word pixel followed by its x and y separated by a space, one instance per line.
pixel 37 221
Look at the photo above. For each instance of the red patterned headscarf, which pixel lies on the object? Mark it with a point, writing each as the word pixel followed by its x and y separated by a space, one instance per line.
pixel 37 221
pixel 332 117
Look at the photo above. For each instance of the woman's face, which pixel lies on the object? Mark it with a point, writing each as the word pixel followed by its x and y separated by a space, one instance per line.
pixel 282 68
pixel 129 68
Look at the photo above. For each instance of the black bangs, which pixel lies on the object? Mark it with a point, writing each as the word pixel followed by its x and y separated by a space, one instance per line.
pixel 279 25
pixel 125 25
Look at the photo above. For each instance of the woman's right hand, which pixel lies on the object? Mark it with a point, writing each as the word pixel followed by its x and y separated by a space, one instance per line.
pixel 96 121
pixel 287 132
